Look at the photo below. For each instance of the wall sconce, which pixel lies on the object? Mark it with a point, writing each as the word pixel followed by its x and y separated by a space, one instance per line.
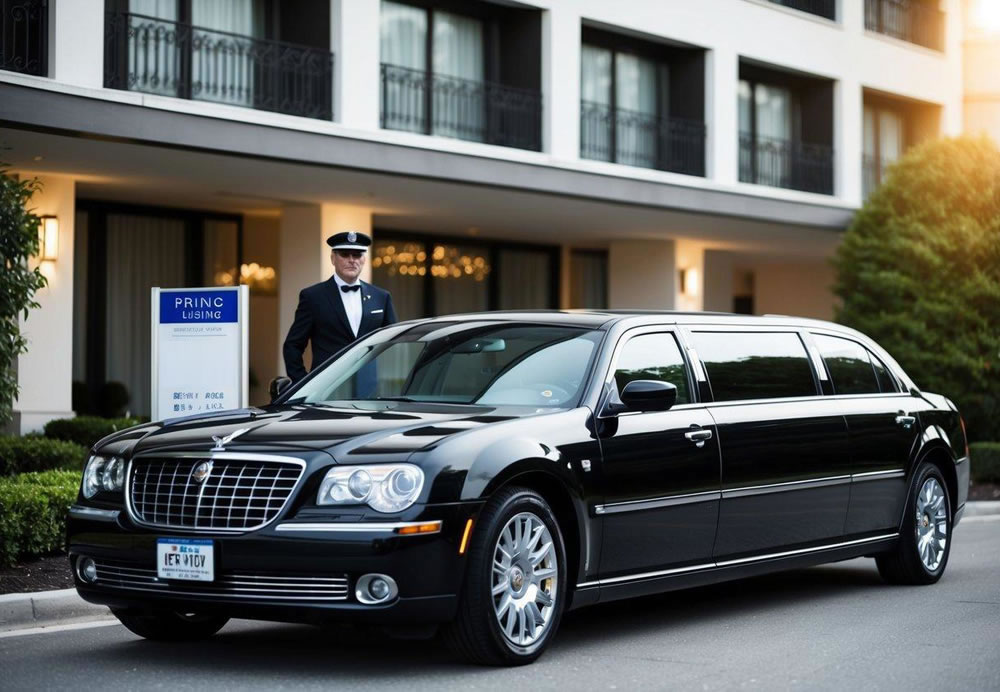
pixel 689 282
pixel 48 239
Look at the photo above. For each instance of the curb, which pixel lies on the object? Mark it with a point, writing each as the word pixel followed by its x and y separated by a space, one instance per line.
pixel 47 608
pixel 27 610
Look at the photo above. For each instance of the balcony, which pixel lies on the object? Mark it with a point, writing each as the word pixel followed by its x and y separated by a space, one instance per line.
pixel 169 58
pixel 641 139
pixel 24 30
pixel 820 8
pixel 908 20
pixel 435 104
pixel 784 163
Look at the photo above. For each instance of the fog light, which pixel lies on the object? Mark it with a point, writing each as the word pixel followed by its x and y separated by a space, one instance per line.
pixel 87 569
pixel 373 589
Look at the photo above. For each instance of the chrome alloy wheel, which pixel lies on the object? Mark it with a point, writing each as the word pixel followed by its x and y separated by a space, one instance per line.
pixel 932 524
pixel 525 579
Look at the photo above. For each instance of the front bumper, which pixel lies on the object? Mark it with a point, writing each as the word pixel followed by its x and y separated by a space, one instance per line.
pixel 262 574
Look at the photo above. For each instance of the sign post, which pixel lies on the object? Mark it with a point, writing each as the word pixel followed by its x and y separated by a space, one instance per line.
pixel 200 350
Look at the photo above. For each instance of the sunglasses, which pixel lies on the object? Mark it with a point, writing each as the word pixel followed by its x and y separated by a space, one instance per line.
pixel 349 254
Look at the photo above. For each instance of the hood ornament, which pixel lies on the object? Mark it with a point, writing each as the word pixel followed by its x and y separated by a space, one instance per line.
pixel 221 442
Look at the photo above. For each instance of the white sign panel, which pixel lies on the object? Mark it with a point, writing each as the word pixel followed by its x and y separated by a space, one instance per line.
pixel 200 350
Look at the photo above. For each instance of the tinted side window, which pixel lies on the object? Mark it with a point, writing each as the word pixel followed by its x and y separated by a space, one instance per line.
pixel 885 381
pixel 653 357
pixel 850 368
pixel 755 365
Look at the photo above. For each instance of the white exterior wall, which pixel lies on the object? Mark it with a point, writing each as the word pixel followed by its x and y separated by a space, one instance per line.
pixel 76 42
pixel 45 372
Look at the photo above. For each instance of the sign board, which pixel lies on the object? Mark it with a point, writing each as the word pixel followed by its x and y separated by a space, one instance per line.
pixel 200 350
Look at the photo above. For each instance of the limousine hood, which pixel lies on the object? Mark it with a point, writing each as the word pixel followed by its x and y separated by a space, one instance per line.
pixel 373 429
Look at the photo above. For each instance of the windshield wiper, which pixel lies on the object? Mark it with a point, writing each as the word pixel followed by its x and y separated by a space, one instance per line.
pixel 390 398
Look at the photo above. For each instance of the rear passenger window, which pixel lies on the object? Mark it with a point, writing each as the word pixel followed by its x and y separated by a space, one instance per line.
pixel 755 365
pixel 653 357
pixel 885 381
pixel 849 365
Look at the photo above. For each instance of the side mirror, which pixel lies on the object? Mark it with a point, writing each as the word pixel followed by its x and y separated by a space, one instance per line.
pixel 649 395
pixel 277 386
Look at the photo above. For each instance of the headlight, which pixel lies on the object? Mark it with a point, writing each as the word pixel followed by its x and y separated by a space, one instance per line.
pixel 103 475
pixel 383 487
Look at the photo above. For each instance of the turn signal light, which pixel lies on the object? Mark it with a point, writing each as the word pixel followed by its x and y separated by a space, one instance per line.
pixel 428 527
pixel 465 537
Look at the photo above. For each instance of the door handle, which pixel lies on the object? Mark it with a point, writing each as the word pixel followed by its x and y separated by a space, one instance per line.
pixel 699 437
pixel 906 421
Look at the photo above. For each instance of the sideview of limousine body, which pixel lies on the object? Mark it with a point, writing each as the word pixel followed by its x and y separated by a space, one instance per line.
pixel 484 473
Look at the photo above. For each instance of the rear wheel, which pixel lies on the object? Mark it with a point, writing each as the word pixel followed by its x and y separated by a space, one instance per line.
pixel 925 542
pixel 515 586
pixel 170 625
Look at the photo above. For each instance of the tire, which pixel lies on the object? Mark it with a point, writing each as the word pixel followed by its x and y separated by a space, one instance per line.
pixel 924 544
pixel 496 628
pixel 170 626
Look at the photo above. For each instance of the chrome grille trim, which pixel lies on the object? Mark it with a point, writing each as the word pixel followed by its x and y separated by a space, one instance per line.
pixel 226 502
pixel 233 584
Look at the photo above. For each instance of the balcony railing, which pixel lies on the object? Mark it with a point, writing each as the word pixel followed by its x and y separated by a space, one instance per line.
pixel 908 20
pixel 24 32
pixel 785 163
pixel 157 56
pixel 641 139
pixel 419 101
pixel 821 8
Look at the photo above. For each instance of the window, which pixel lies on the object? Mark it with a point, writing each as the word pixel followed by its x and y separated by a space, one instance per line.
pixel 766 119
pixel 849 365
pixel 884 142
pixel 755 365
pixel 886 383
pixel 653 357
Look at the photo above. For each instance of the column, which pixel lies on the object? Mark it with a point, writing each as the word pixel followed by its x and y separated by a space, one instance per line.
pixel 722 72
pixel 354 39
pixel 76 42
pixel 642 274
pixel 45 372
pixel 690 260
pixel 561 81
pixel 848 125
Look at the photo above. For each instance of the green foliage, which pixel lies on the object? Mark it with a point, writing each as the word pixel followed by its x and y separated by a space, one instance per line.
pixel 33 510
pixel 985 462
pixel 86 430
pixel 21 454
pixel 919 271
pixel 18 283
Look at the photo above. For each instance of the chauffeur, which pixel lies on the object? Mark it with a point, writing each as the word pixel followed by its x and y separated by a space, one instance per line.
pixel 336 312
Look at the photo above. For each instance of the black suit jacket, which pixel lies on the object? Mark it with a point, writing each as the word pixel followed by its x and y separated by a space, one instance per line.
pixel 320 317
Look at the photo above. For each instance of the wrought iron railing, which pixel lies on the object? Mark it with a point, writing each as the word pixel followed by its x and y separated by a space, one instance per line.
pixel 784 163
pixel 24 33
pixel 428 103
pixel 178 59
pixel 641 139
pixel 822 8
pixel 909 20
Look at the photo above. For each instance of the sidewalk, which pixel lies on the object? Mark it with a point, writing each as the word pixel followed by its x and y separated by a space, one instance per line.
pixel 49 608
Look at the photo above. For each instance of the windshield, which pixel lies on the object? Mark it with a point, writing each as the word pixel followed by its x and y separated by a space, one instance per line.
pixel 479 362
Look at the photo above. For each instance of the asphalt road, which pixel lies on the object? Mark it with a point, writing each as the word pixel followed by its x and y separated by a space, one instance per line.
pixel 831 627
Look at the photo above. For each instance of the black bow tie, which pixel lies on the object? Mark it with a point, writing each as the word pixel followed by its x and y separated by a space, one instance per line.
pixel 348 289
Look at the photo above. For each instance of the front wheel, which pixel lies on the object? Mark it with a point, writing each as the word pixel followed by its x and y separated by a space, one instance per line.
pixel 925 542
pixel 515 586
pixel 171 626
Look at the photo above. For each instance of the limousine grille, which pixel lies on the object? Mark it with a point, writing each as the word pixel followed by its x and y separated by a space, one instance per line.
pixel 210 494
pixel 231 584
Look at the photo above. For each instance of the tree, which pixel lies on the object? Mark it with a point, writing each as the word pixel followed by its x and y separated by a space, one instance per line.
pixel 919 271
pixel 18 283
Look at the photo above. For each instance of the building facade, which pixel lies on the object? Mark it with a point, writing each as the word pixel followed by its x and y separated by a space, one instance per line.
pixel 540 154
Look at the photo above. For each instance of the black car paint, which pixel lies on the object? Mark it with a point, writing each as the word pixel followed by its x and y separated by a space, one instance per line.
pixel 644 510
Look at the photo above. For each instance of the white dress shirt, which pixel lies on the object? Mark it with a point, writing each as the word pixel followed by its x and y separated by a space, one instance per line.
pixel 352 303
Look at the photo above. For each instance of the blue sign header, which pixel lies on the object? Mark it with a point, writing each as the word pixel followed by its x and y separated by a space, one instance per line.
pixel 193 307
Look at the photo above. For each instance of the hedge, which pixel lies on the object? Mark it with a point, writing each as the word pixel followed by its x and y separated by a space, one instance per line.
pixel 86 430
pixel 33 510
pixel 22 454
pixel 985 462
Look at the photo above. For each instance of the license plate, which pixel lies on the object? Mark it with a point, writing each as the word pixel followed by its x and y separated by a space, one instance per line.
pixel 192 559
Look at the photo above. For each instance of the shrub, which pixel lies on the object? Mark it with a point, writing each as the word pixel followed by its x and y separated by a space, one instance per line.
pixel 985 462
pixel 919 271
pixel 22 454
pixel 33 510
pixel 86 430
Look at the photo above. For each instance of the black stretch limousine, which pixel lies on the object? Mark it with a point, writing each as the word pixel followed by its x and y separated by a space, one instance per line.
pixel 485 473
